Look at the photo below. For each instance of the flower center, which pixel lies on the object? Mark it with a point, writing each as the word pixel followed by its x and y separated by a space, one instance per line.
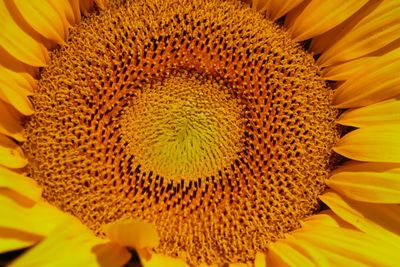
pixel 185 127
pixel 199 116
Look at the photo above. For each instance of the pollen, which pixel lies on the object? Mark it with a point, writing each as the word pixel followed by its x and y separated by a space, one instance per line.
pixel 201 117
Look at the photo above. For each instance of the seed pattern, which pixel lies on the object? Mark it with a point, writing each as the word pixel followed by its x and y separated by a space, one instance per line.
pixel 80 143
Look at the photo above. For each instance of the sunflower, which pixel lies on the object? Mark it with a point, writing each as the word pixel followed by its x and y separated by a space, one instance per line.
pixel 200 133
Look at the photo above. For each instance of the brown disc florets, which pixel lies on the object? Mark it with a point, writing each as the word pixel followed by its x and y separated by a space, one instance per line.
pixel 199 116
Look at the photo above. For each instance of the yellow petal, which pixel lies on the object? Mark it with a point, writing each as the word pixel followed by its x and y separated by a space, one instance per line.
pixel 18 43
pixel 346 247
pixel 13 64
pixel 369 182
pixel 39 219
pixel 275 8
pixel 260 260
pixel 373 83
pixel 11 239
pixel 344 71
pixel 44 18
pixel 11 155
pixel 375 144
pixel 158 260
pixel 111 254
pixel 85 5
pixel 15 89
pixel 306 249
pixel 19 183
pixel 382 113
pixel 133 233
pixel 320 16
pixel 76 10
pixel 373 27
pixel 101 3
pixel 70 244
pixel 282 254
pixel 379 220
pixel 326 218
pixel 10 122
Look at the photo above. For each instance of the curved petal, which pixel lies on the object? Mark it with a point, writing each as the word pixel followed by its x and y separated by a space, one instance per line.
pixel 275 8
pixel 344 71
pixel 260 260
pixel 11 155
pixel 375 144
pixel 369 182
pixel 11 239
pixel 15 89
pixel 382 113
pixel 379 220
pixel 345 247
pixel 373 83
pixel 44 18
pixel 373 27
pixel 282 254
pixel 71 244
pixel 18 43
pixel 39 219
pixel 85 5
pixel 19 183
pixel 10 123
pixel 133 233
pixel 319 16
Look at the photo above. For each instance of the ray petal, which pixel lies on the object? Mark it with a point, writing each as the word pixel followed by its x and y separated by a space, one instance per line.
pixel 373 83
pixel 344 71
pixel 320 16
pixel 373 27
pixel 85 5
pixel 375 144
pixel 11 155
pixel 346 247
pixel 382 113
pixel 71 244
pixel 18 43
pixel 19 183
pixel 10 123
pixel 275 8
pixel 11 239
pixel 282 254
pixel 44 18
pixel 371 185
pixel 379 220
pixel 36 218
pixel 133 233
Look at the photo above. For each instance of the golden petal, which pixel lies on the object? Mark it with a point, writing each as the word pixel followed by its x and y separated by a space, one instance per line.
pixel 346 247
pixel 71 244
pixel 19 183
pixel 76 10
pixel 344 71
pixel 39 219
pixel 275 8
pixel 375 144
pixel 44 18
pixel 379 220
pixel 11 239
pixel 11 155
pixel 18 43
pixel 373 27
pixel 373 83
pixel 282 254
pixel 382 113
pixel 85 5
pixel 10 123
pixel 369 182
pixel 133 233
pixel 320 16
